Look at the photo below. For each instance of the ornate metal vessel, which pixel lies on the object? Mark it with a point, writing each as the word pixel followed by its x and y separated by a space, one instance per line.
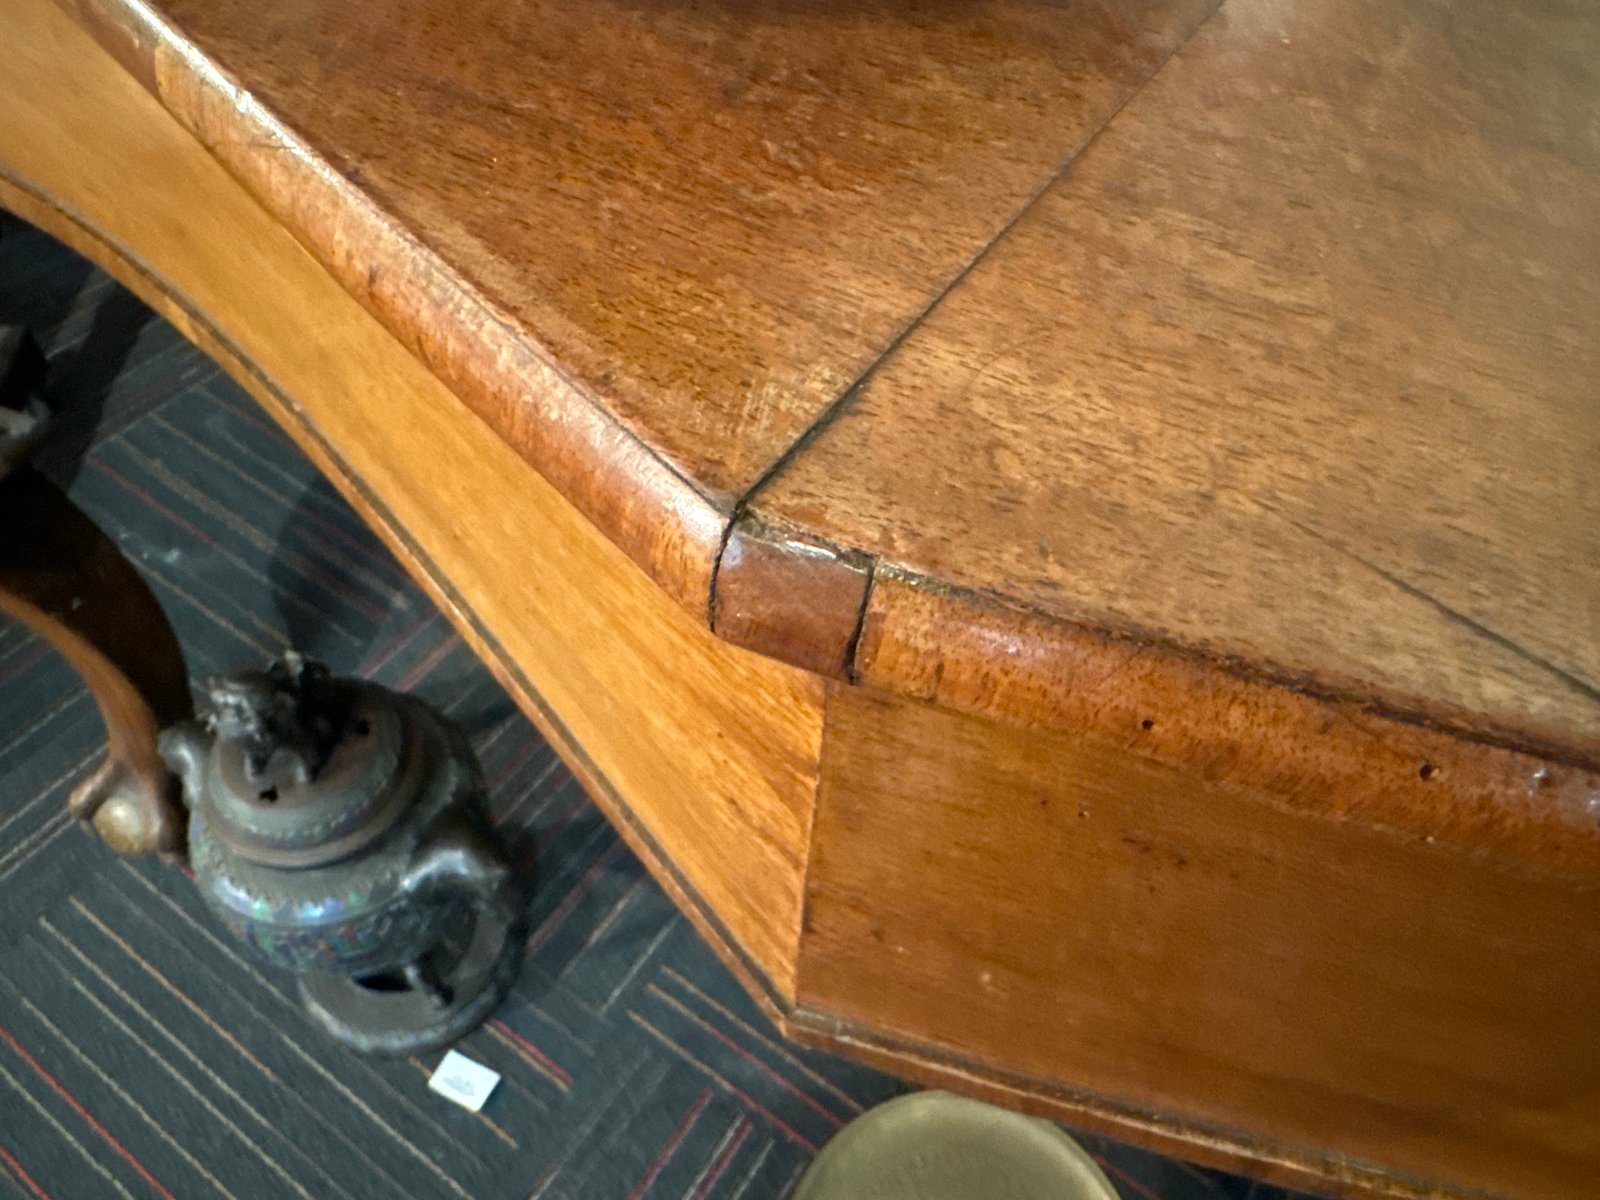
pixel 340 830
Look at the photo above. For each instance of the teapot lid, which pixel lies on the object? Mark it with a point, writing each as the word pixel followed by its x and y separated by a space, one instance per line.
pixel 304 769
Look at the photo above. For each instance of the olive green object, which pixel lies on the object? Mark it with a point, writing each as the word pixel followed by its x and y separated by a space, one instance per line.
pixel 935 1146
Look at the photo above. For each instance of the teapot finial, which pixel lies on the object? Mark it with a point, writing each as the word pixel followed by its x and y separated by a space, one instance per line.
pixel 287 718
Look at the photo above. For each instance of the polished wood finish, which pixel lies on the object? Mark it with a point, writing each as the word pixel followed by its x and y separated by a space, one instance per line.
pixel 650 244
pixel 1200 957
pixel 1345 761
pixel 1186 395
pixel 1226 483
pixel 65 579
pixel 704 754
pixel 1294 370
pixel 786 594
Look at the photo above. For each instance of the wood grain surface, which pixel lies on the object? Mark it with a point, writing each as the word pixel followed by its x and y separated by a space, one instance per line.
pixel 1289 369
pixel 1342 761
pixel 651 243
pixel 705 755
pixel 1198 961
pixel 1296 369
pixel 785 594
pixel 1206 521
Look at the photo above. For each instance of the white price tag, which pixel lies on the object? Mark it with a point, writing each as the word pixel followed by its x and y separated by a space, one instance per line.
pixel 466 1082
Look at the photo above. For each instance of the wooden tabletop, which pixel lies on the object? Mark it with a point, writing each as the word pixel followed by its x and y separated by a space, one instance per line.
pixel 917 343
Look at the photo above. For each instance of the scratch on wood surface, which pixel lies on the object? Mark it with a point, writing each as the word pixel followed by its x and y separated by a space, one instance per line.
pixel 846 398
pixel 1576 682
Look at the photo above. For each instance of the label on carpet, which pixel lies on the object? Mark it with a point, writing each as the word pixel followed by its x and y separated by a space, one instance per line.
pixel 466 1082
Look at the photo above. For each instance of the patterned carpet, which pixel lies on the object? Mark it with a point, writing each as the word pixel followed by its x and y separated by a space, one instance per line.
pixel 141 1056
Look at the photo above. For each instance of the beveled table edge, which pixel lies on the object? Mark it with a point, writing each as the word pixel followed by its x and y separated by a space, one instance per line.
pixel 1352 754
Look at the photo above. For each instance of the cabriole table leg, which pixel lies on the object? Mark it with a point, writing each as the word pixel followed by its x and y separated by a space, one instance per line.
pixel 65 579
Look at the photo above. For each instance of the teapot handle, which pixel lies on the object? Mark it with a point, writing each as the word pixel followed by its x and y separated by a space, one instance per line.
pixel 465 861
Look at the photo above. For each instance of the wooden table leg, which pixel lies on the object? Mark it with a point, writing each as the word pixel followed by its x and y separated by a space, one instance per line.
pixel 64 578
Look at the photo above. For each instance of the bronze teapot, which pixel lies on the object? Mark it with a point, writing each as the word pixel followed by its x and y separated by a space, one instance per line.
pixel 336 828
pixel 341 831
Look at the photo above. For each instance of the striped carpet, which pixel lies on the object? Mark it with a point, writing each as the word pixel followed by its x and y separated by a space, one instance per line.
pixel 140 1056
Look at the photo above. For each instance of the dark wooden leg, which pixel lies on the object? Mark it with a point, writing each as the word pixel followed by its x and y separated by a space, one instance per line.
pixel 64 578
pixel 23 416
